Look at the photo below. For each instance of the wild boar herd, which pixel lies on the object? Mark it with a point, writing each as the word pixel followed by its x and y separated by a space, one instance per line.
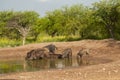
pixel 49 52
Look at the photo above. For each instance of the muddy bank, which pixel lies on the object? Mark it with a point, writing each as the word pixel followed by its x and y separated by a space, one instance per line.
pixel 100 50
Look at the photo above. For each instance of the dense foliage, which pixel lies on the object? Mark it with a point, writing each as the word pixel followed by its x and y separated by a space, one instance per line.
pixel 100 21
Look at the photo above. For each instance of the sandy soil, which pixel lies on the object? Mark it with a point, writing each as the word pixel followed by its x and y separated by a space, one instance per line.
pixel 107 51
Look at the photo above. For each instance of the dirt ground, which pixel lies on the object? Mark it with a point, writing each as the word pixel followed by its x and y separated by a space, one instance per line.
pixel 108 51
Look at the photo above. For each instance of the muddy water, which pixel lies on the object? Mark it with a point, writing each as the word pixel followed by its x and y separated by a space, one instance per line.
pixel 21 65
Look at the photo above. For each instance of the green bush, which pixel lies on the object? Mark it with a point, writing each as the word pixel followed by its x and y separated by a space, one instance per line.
pixel 51 39
pixel 73 38
pixel 57 38
pixel 4 42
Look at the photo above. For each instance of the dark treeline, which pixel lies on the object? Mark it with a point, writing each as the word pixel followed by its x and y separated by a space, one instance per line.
pixel 100 21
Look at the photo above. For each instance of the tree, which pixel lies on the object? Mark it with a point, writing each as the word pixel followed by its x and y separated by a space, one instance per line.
pixel 106 12
pixel 76 19
pixel 4 17
pixel 53 23
pixel 38 28
pixel 67 21
pixel 23 22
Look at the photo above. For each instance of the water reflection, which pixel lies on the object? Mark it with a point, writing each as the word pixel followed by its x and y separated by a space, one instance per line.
pixel 21 65
pixel 81 62
pixel 49 63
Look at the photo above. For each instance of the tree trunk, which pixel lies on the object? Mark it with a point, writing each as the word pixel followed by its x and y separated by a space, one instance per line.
pixel 110 31
pixel 35 38
pixel 24 39
pixel 82 34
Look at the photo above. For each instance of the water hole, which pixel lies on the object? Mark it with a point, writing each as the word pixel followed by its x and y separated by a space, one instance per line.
pixel 22 65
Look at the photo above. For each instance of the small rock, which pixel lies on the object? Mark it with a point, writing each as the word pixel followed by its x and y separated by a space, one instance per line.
pixel 85 75
pixel 79 73
pixel 109 73
pixel 66 73
pixel 103 69
pixel 116 71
